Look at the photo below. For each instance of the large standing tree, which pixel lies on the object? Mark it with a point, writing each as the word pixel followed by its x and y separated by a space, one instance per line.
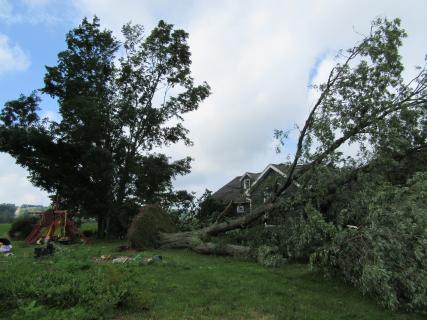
pixel 114 112
pixel 364 101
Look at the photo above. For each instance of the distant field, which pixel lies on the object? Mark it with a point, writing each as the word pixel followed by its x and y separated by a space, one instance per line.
pixel 89 226
pixel 4 228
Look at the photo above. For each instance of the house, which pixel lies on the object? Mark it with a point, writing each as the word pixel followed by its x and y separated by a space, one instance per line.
pixel 250 190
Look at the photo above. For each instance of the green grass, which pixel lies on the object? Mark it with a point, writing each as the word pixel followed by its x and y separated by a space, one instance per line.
pixel 4 228
pixel 191 286
pixel 89 226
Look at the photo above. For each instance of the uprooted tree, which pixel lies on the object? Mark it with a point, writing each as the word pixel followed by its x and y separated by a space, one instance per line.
pixel 365 101
pixel 99 156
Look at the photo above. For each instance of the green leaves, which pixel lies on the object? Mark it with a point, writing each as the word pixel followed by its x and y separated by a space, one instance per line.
pixel 386 256
pixel 21 113
pixel 75 288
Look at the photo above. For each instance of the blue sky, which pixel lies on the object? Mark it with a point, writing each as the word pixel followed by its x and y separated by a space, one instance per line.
pixel 258 57
pixel 40 41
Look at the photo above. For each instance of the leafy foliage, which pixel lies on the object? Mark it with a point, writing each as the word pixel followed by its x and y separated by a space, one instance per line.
pixel 386 255
pixel 369 102
pixel 73 289
pixel 359 216
pixel 207 208
pixel 269 256
pixel 7 212
pixel 145 228
pixel 191 212
pixel 22 226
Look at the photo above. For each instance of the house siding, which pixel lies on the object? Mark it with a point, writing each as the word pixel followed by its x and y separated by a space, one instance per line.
pixel 264 186
pixel 251 198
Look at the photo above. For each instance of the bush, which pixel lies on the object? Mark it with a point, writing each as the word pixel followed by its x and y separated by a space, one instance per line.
pixel 269 257
pixel 22 227
pixel 69 287
pixel 147 224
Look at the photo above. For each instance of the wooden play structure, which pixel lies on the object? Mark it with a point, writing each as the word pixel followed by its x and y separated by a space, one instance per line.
pixel 55 225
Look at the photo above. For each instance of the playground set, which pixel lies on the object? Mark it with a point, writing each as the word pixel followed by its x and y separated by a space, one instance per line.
pixel 55 225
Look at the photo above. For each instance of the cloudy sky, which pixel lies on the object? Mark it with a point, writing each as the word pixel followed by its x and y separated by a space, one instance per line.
pixel 259 57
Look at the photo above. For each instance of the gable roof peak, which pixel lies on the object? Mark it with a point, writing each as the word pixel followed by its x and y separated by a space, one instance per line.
pixel 251 175
pixel 271 166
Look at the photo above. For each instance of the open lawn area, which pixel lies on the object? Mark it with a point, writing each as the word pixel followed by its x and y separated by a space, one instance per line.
pixel 71 285
pixel 4 228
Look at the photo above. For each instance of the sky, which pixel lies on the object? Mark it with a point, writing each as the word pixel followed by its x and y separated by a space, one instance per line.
pixel 259 57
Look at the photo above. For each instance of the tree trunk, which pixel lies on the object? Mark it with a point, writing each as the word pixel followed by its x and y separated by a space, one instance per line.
pixel 101 226
pixel 197 240
pixel 193 240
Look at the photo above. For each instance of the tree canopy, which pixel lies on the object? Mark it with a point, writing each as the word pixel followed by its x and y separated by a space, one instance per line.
pixel 119 102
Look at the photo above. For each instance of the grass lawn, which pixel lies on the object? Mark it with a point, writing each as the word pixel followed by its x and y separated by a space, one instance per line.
pixel 4 228
pixel 89 226
pixel 190 286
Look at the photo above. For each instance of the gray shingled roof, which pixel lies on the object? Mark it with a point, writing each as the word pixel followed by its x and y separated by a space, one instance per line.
pixel 252 175
pixel 229 192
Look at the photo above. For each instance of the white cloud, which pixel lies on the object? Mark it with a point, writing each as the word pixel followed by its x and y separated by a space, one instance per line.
pixel 36 3
pixel 15 187
pixel 109 10
pixel 6 14
pixel 51 116
pixel 47 12
pixel 12 57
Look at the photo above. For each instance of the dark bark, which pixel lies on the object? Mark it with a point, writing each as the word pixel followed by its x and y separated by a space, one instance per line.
pixel 194 240
pixel 197 240
pixel 101 226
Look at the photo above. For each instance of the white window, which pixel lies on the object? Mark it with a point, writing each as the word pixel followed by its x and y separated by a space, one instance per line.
pixel 240 209
pixel 267 195
pixel 246 183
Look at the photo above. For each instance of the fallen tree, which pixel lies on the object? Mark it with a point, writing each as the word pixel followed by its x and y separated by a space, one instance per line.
pixel 366 101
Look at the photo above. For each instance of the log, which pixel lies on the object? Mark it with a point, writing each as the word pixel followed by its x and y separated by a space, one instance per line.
pixel 179 240
pixel 198 240
pixel 193 240
pixel 222 249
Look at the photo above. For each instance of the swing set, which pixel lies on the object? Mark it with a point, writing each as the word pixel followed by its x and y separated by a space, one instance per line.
pixel 55 225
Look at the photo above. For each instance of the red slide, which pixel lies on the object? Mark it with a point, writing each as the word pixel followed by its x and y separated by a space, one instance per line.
pixel 34 235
